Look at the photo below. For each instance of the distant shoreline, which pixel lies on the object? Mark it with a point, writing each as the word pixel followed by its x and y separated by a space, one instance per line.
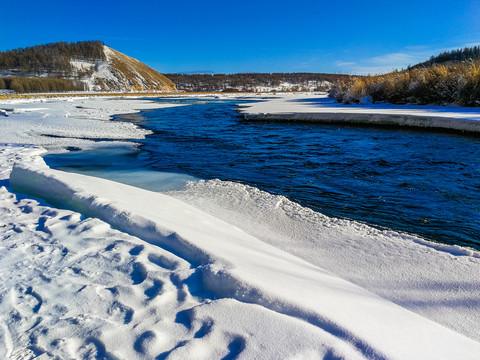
pixel 106 94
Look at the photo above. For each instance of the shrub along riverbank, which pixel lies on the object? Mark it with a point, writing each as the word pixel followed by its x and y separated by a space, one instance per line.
pixel 34 85
pixel 441 83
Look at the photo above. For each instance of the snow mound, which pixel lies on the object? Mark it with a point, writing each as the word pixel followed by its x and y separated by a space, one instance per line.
pixel 230 263
pixel 435 280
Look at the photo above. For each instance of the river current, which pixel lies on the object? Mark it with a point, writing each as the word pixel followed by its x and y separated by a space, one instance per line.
pixel 420 182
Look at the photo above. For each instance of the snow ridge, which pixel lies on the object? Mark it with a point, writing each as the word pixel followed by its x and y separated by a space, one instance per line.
pixel 233 264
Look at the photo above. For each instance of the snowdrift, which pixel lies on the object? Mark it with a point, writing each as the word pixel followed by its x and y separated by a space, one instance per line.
pixel 233 264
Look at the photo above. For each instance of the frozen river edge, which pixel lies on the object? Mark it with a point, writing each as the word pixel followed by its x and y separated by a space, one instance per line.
pixel 320 109
pixel 232 264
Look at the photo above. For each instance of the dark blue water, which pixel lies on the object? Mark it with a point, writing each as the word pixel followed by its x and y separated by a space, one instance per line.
pixel 419 182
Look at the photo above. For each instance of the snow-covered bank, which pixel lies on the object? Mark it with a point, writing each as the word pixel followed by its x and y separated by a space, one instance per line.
pixel 234 264
pixel 81 122
pixel 72 287
pixel 435 280
pixel 321 109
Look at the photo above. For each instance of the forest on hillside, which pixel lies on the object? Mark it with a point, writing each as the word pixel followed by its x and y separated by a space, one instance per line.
pixel 452 78
pixel 459 55
pixel 252 81
pixel 52 60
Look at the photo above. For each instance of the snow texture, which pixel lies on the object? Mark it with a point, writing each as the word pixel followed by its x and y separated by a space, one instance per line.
pixel 102 270
pixel 81 122
pixel 319 108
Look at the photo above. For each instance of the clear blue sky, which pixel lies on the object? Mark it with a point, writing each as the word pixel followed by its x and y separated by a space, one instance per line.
pixel 355 37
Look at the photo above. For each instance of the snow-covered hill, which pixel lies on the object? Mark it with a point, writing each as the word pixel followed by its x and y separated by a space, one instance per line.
pixel 120 72
pixel 85 65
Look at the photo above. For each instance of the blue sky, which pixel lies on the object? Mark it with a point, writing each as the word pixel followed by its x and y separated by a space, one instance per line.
pixel 355 37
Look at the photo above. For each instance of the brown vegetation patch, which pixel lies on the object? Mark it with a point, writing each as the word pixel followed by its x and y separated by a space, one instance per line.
pixel 140 76
pixel 43 85
pixel 451 83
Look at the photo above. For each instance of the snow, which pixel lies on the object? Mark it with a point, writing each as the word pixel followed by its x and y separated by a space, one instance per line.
pixel 81 122
pixel 218 270
pixel 233 264
pixel 285 86
pixel 434 280
pixel 82 65
pixel 100 70
pixel 319 108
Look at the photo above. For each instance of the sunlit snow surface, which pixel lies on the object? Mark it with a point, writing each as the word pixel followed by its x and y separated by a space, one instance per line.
pixel 217 270
pixel 322 104
pixel 321 109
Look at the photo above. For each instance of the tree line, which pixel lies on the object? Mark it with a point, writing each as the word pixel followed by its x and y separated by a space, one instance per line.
pixel 35 85
pixel 252 81
pixel 465 54
pixel 50 59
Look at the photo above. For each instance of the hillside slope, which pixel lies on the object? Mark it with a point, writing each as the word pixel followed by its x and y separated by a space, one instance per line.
pixel 453 56
pixel 120 72
pixel 87 65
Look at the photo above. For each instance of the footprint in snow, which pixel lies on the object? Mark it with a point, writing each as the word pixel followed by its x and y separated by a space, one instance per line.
pixel 120 312
pixel 93 348
pixel 136 250
pixel 155 290
pixel 163 262
pixel 143 342
pixel 41 225
pixel 204 330
pixel 138 274
pixel 236 346
pixel 37 297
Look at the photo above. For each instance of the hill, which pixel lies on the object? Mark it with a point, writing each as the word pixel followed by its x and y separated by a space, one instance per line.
pixel 255 81
pixel 84 65
pixel 454 56
pixel 449 78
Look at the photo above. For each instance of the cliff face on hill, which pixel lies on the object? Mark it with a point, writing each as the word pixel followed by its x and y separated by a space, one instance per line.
pixel 87 65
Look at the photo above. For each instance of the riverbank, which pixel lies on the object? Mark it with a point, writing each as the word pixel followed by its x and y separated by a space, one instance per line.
pixel 321 109
pixel 139 94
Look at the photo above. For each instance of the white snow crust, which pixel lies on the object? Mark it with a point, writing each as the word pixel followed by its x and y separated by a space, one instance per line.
pixel 320 108
pixel 82 122
pixel 104 270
